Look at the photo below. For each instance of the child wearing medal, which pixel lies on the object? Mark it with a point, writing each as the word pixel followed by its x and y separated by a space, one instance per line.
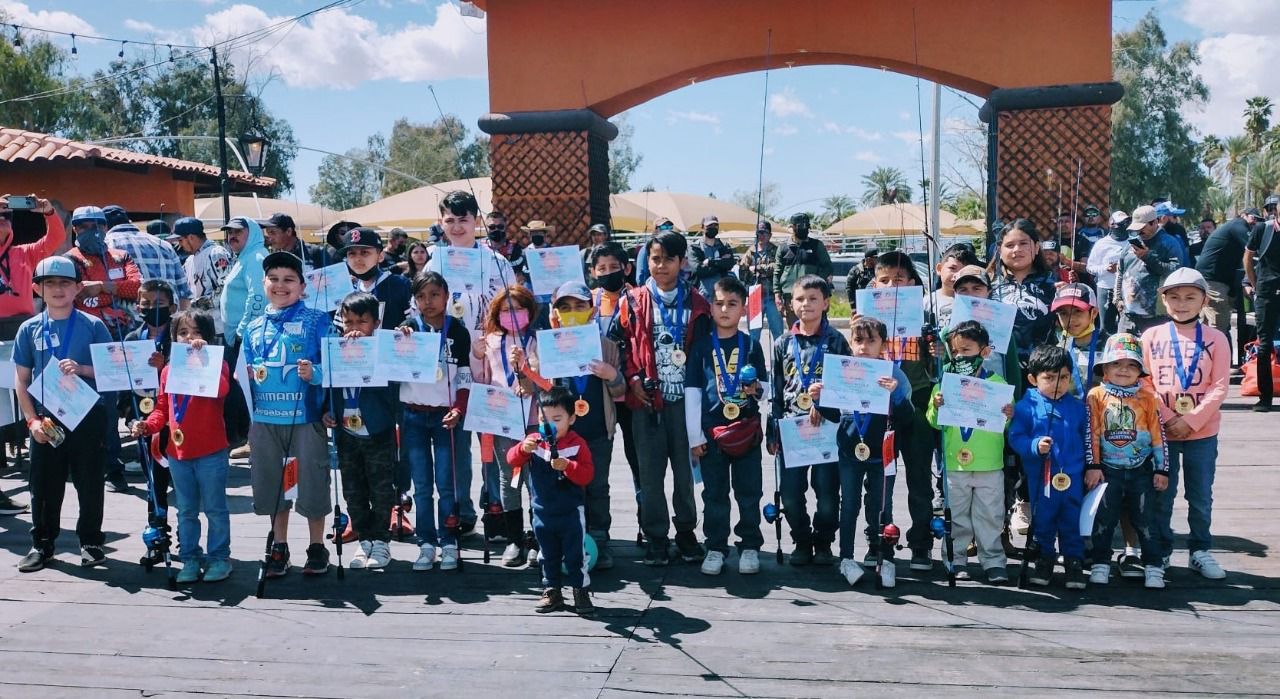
pixel 974 462
pixel 1190 367
pixel 1048 433
pixel 1127 451
pixel 723 387
pixel 197 454
pixel 862 468
pixel 366 442
pixel 594 409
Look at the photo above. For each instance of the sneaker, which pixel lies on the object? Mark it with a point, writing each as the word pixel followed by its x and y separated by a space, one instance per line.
pixel 1130 566
pixel 317 560
pixel 361 559
pixel 688 547
pixel 426 557
pixel 379 555
pixel 658 554
pixel 889 574
pixel 1154 578
pixel 1100 574
pixel 1042 573
pixel 997 576
pixel 1020 520
pixel 604 557
pixel 513 556
pixel 36 559
pixel 802 555
pixel 218 571
pixel 582 602
pixel 278 566
pixel 922 560
pixel 961 571
pixel 851 571
pixel 9 507
pixel 117 484
pixel 190 573
pixel 822 555
pixel 449 558
pixel 1075 574
pixel 1262 407
pixel 713 563
pixel 533 558
pixel 132 467
pixel 91 556
pixel 748 562
pixel 1204 563
pixel 870 559
pixel 552 600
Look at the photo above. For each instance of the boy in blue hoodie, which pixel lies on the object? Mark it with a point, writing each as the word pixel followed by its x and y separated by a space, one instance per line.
pixel 1048 432
pixel 365 440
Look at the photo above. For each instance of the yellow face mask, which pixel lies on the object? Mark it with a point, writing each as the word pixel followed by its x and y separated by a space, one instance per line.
pixel 570 319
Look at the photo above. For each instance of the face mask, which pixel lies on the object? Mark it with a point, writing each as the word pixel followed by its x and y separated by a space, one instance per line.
pixel 156 317
pixel 712 231
pixel 521 319
pixel 572 319
pixel 967 366
pixel 365 276
pixel 1119 234
pixel 92 241
pixel 538 239
pixel 497 233
pixel 802 232
pixel 612 282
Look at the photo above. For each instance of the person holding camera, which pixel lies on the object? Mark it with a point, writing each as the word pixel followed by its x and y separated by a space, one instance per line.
pixel 1152 256
pixel 800 257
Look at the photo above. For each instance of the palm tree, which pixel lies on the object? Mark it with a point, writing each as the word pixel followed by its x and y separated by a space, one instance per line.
pixel 1210 152
pixel 1231 167
pixel 836 208
pixel 1257 118
pixel 885 185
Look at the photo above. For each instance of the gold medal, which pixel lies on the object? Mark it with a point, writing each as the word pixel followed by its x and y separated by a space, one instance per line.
pixel 965 456
pixel 1061 482
pixel 260 373
pixel 353 422
pixel 731 411
pixel 678 357
pixel 804 401
pixel 146 405
pixel 862 451
pixel 458 310
pixel 581 407
pixel 177 437
pixel 1184 405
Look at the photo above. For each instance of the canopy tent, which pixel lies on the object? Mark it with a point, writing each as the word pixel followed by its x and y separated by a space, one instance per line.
pixel 686 210
pixel 309 218
pixel 416 209
pixel 895 220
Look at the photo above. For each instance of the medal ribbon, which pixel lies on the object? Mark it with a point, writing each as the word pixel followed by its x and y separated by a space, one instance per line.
pixel 1185 377
pixel 807 375
pixel 1082 382
pixel 278 323
pixel 180 405
pixel 351 398
pixel 731 382
pixel 861 423
pixel 444 339
pixel 967 432
pixel 46 331
pixel 670 324
pixel 506 367
pixel 580 385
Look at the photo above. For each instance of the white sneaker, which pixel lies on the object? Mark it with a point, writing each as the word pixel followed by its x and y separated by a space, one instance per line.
pixel 449 558
pixel 513 555
pixel 534 558
pixel 713 563
pixel 1100 574
pixel 1204 563
pixel 361 559
pixel 1020 520
pixel 1154 578
pixel 379 555
pixel 851 571
pixel 132 467
pixel 889 574
pixel 426 557
pixel 748 562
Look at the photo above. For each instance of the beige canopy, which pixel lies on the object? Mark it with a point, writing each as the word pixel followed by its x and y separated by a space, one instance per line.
pixel 894 220
pixel 686 210
pixel 309 218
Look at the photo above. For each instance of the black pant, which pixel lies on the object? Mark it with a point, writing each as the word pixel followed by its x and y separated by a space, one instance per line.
pixel 81 455
pixel 629 449
pixel 1267 310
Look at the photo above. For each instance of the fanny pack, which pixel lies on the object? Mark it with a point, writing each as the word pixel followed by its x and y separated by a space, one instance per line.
pixel 738 437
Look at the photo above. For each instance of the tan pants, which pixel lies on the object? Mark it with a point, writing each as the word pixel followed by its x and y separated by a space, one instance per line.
pixel 977 515
pixel 1220 307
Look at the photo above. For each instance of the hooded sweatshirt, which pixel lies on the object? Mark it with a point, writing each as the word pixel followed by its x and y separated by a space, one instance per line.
pixel 243 298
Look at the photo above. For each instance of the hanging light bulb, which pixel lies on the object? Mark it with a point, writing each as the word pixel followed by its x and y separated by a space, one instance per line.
pixel 121 54
pixel 73 45
pixel 17 38
pixel 170 53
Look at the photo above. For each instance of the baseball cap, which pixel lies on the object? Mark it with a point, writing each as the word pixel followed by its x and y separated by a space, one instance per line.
pixel 235 224
pixel 1091 211
pixel 87 213
pixel 361 238
pixel 1118 218
pixel 1076 295
pixel 1049 245
pixel 188 225
pixel 1121 346
pixel 599 228
pixel 710 219
pixel 534 225
pixel 159 229
pixel 1185 276
pixel 116 215
pixel 576 290
pixel 282 259
pixel 1165 208
pixel 875 252
pixel 279 220
pixel 56 266
pixel 1252 211
pixel 398 232
pixel 1141 217
pixel 799 218
pixel 966 272
pixel 1271 202
pixel 662 221
pixel 764 226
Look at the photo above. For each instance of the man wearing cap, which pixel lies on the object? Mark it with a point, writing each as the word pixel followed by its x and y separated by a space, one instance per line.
pixel 598 234
pixel 1092 229
pixel 155 258
pixel 242 298
pixel 861 276
pixel 1220 265
pixel 110 277
pixel 800 256
pixel 206 265
pixel 1151 256
pixel 393 256
pixel 710 258
pixel 1104 263
pixel 1264 284
pixel 362 249
pixel 661 225
pixel 498 241
pixel 282 236
pixel 1167 218
pixel 756 267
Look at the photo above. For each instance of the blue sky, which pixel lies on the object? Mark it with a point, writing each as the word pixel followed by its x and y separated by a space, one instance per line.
pixel 350 72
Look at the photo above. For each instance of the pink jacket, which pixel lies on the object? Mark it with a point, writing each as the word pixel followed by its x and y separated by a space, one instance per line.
pixel 1209 385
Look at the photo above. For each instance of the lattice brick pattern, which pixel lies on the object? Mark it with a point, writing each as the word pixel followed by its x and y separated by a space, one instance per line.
pixel 548 177
pixel 1034 142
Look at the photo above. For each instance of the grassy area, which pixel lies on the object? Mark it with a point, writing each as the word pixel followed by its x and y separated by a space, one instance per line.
pixel 839 307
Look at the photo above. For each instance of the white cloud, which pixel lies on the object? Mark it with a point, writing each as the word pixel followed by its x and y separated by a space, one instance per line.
pixel 907 136
pixel 867 156
pixel 1238 16
pixel 904 115
pixel 831 127
pixel 863 133
pixel 786 130
pixel 57 20
pixel 785 104
pixel 1234 67
pixel 696 117
pixel 341 50
pixel 141 27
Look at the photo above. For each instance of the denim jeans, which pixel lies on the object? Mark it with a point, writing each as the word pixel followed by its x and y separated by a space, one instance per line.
pixel 862 486
pixel 1129 490
pixel 200 485
pixel 433 457
pixel 825 479
pixel 1197 460
pixel 462 485
pixel 772 319
pixel 719 472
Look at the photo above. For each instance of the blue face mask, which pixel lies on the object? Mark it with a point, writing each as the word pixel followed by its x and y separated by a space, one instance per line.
pixel 92 241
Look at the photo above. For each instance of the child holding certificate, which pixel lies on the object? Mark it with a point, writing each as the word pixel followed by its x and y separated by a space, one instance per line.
pixel 974 461
pixel 195 438
pixel 797 387
pixel 64 334
pixel 1190 366
pixel 1079 333
pixel 723 388
pixel 364 421
pixel 156 302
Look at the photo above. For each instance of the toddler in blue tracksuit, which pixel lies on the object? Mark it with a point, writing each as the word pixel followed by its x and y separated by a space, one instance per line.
pixel 557 463
pixel 1048 432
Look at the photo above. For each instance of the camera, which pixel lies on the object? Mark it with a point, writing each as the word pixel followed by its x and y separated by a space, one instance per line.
pixel 21 203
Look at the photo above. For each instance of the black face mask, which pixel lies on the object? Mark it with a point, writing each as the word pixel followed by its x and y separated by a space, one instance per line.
pixel 497 233
pixel 1120 233
pixel 802 232
pixel 156 317
pixel 612 282
pixel 712 231
pixel 366 276
pixel 538 239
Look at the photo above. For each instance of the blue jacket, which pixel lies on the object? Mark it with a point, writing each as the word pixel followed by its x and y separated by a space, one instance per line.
pixel 276 340
pixel 901 412
pixel 243 298
pixel 1063 420
pixel 377 406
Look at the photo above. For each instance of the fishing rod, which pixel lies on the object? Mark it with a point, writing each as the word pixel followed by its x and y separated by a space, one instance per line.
pixel 340 518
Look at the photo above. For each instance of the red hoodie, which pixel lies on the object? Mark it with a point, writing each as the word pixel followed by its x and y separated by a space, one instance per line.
pixel 203 428
pixel 635 315
pixel 18 264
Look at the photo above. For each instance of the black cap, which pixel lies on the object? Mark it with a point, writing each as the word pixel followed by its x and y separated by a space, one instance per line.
pixel 235 224
pixel 873 252
pixel 361 238
pixel 282 259
pixel 279 220
pixel 764 226
pixel 799 218
pixel 1252 211
pixel 116 215
pixel 1091 211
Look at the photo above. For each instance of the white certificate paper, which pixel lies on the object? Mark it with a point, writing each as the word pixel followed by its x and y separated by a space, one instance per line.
pixel 495 410
pixel 66 396
pixel 901 309
pixel 327 286
pixel 7 377
pixel 551 267
pixel 350 363
pixel 972 402
pixel 463 268
pixel 566 352
pixel 410 358
pixel 122 366
pixel 850 383
pixel 995 316
pixel 194 372
pixel 804 444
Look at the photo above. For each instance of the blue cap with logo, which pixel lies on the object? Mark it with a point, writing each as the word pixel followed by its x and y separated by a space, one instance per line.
pixel 87 213
pixel 55 266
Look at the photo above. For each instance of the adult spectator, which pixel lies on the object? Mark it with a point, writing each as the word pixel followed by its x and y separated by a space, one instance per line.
pixel 498 241
pixel 1167 218
pixel 154 257
pixel 800 256
pixel 861 275
pixel 1104 263
pixel 709 258
pixel 243 297
pixel 282 236
pixel 1264 283
pixel 394 256
pixel 661 225
pixel 207 265
pixel 1152 255
pixel 1092 229
pixel 598 234
pixel 1219 263
pixel 756 267
pixel 416 260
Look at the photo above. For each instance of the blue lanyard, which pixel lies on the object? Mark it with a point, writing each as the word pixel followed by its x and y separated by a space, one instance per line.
pixel 808 374
pixel 1186 377
pixel 46 331
pixel 180 405
pixel 144 335
pixel 730 380
pixel 670 324
pixel 506 367
pixel 580 385
pixel 1083 382
pixel 351 397
pixel 279 323
pixel 1049 414
pixel 861 423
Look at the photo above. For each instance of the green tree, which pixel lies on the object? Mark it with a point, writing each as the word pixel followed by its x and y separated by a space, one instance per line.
pixel 434 152
pixel 1153 149
pixel 1257 118
pixel 835 208
pixel 354 180
pixel 623 160
pixel 759 200
pixel 885 185
pixel 34 67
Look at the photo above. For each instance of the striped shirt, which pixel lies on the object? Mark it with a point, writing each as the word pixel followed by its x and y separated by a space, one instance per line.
pixel 155 258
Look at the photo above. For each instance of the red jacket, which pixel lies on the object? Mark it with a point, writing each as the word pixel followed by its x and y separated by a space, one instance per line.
pixel 203 428
pixel 116 266
pixel 635 315
pixel 21 262
pixel 580 470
